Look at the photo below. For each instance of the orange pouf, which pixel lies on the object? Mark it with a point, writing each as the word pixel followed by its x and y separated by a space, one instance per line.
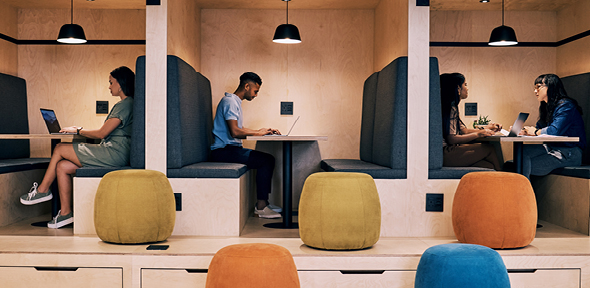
pixel 252 265
pixel 495 209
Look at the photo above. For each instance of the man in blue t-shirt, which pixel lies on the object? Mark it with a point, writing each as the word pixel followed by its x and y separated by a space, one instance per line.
pixel 229 131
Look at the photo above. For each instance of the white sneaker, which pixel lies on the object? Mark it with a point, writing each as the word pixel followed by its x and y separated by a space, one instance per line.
pixel 34 197
pixel 266 213
pixel 275 208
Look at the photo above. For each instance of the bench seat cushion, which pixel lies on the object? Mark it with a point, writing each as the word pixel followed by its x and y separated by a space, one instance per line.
pixel 578 172
pixel 97 171
pixel 209 170
pixel 352 165
pixel 23 164
pixel 453 172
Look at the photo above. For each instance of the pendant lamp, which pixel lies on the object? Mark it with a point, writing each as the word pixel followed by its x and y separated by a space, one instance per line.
pixel 503 35
pixel 71 33
pixel 287 33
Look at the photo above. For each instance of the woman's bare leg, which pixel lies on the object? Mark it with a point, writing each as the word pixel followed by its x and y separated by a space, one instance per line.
pixel 62 151
pixel 65 169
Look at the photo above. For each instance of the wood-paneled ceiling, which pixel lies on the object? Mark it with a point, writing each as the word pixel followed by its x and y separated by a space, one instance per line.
pixel 525 5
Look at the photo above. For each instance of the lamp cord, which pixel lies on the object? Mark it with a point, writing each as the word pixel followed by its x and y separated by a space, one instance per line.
pixel 287 11
pixel 502 12
pixel 72 12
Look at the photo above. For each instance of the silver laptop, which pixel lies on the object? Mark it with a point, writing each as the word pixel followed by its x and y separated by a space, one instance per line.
pixel 51 121
pixel 289 129
pixel 516 127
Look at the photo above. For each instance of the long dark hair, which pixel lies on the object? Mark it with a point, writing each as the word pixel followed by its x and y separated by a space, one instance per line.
pixel 126 79
pixel 449 97
pixel 555 95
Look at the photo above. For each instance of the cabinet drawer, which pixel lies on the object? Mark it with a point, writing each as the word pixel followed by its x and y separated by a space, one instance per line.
pixel 158 278
pixel 393 279
pixel 545 278
pixel 61 277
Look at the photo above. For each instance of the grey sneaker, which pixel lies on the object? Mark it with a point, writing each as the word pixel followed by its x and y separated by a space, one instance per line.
pixel 266 213
pixel 61 220
pixel 34 197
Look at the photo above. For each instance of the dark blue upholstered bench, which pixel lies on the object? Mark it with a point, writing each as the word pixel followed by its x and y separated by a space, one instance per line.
pixel 189 126
pixel 383 145
pixel 14 116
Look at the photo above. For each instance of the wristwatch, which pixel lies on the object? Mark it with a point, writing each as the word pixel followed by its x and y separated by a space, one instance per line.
pixel 78 130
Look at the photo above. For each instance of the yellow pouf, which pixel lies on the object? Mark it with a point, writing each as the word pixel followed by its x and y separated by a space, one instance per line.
pixel 495 209
pixel 252 265
pixel 339 211
pixel 134 206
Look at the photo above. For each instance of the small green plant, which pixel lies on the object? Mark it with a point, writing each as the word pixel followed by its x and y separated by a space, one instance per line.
pixel 483 120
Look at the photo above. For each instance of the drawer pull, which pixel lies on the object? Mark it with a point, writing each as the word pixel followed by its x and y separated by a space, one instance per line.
pixel 376 272
pixel 63 269
pixel 522 270
pixel 197 270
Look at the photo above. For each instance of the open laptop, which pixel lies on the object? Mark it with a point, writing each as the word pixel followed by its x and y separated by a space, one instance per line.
pixel 289 129
pixel 51 121
pixel 516 127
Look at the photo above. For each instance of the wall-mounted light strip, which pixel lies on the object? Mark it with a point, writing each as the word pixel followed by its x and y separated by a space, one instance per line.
pixel 54 42
pixel 520 44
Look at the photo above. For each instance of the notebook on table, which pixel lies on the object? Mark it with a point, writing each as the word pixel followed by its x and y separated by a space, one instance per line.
pixel 51 122
pixel 289 129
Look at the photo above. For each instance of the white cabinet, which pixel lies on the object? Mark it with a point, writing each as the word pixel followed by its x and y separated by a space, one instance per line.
pixel 545 278
pixel 62 277
pixel 158 278
pixel 357 279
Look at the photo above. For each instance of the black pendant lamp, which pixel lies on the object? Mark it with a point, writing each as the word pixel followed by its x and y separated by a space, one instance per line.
pixel 503 35
pixel 71 33
pixel 287 33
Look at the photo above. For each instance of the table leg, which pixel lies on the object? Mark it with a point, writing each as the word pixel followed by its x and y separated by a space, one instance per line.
pixel 287 189
pixel 517 155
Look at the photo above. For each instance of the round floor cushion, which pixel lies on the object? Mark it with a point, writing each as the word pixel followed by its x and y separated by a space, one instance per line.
pixel 339 211
pixel 134 206
pixel 257 265
pixel 461 266
pixel 495 209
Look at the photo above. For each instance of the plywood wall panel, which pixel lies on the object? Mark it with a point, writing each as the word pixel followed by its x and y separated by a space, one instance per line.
pixel 391 32
pixel 8 50
pixel 184 31
pixel 71 78
pixel 573 58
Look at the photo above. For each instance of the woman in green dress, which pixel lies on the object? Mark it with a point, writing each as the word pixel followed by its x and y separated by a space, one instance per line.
pixel 113 150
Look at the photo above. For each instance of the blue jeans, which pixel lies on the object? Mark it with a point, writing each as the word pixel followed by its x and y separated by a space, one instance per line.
pixel 538 160
pixel 264 163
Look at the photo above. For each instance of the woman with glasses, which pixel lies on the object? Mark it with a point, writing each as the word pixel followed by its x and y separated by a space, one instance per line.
pixel 457 151
pixel 559 115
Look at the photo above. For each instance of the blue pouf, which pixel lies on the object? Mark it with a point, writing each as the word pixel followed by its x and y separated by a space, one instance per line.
pixel 461 265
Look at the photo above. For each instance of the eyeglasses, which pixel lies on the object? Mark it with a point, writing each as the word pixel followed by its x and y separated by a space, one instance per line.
pixel 538 87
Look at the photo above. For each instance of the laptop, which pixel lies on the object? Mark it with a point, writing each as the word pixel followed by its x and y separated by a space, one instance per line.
pixel 51 121
pixel 289 129
pixel 516 127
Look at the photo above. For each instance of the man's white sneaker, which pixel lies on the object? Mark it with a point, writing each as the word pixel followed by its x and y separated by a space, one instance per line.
pixel 266 213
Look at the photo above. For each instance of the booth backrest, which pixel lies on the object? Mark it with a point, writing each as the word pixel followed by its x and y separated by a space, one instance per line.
pixel 14 116
pixel 189 115
pixel 578 87
pixel 368 118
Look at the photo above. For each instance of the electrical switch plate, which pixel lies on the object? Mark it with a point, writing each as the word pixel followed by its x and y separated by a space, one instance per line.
pixel 434 202
pixel 102 107
pixel 470 109
pixel 178 200
pixel 286 108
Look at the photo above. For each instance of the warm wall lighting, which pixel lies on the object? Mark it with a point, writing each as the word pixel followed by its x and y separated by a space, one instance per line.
pixel 71 33
pixel 287 33
pixel 503 35
pixel 481 1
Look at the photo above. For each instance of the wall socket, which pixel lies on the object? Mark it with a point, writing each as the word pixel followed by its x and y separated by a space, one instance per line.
pixel 286 108
pixel 102 107
pixel 470 109
pixel 435 202
pixel 178 200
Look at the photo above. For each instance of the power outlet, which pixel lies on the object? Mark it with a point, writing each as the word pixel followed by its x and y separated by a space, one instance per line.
pixel 434 202
pixel 470 109
pixel 286 108
pixel 102 107
pixel 178 200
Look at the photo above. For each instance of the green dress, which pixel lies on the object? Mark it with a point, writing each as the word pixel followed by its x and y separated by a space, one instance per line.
pixel 113 150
